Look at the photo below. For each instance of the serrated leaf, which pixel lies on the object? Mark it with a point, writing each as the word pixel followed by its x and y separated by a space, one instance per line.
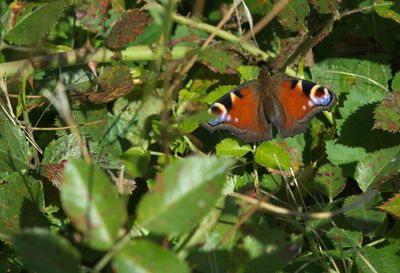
pixel 364 217
pixel 46 252
pixel 248 73
pixel 30 29
pixel 130 24
pixel 378 166
pixel 292 17
pixel 218 60
pixel 191 187
pixel 387 114
pixel 343 75
pixel 342 238
pixel 274 155
pixel 21 202
pixel 382 260
pixel 141 256
pixel 92 14
pixel 325 6
pixel 388 9
pixel 340 154
pixel 14 147
pixel 392 206
pixel 92 203
pixel 217 93
pixel 231 147
pixel 115 81
pixel 396 83
pixel 329 180
pixel 136 161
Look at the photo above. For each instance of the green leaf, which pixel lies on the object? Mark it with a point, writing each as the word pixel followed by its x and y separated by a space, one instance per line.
pixel 143 256
pixel 329 180
pixel 388 9
pixel 231 147
pixel 293 16
pixel 387 114
pixel 34 26
pixel 325 6
pixel 46 252
pixel 392 206
pixel 271 183
pixel 248 72
pixel 364 217
pixel 92 203
pixel 21 203
pixel 14 147
pixel 217 93
pixel 343 75
pixel 184 193
pixel 378 166
pixel 382 260
pixel 340 154
pixel 273 155
pixel 92 14
pixel 136 161
pixel 396 83
pixel 342 238
pixel 218 60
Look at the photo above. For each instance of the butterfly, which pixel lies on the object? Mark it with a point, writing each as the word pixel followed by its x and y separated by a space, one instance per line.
pixel 252 109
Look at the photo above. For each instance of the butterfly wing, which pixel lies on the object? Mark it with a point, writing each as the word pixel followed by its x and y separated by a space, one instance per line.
pixel 240 113
pixel 299 100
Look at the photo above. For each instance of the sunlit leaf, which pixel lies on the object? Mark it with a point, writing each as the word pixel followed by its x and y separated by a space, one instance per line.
pixel 377 167
pixel 387 114
pixel 30 29
pixel 191 187
pixel 329 180
pixel 231 147
pixel 392 206
pixel 273 155
pixel 92 203
pixel 342 238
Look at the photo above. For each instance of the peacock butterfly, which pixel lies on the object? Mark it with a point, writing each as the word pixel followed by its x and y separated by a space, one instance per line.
pixel 250 110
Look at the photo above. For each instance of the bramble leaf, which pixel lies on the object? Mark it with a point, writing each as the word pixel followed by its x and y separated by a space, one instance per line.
pixel 342 238
pixel 92 203
pixel 392 206
pixel 45 251
pixel 14 147
pixel 273 155
pixel 292 17
pixel 378 166
pixel 21 203
pixel 191 187
pixel 147 257
pixel 340 154
pixel 388 9
pixel 30 29
pixel 231 147
pixel 329 180
pixel 387 114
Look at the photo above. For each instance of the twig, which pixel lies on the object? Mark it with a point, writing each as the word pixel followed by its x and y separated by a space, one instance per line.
pixel 63 127
pixel 266 19
pixel 312 215
pixel 227 36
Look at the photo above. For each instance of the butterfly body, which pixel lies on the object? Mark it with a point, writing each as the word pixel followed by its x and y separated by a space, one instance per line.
pixel 252 109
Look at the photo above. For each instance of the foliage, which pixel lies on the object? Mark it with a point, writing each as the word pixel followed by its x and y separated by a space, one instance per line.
pixel 105 167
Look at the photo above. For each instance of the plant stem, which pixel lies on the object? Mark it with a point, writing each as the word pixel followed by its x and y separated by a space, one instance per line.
pixel 248 47
pixel 83 56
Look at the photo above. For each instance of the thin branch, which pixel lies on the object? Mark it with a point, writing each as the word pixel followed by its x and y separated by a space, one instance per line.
pixel 63 127
pixel 265 20
pixel 312 215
